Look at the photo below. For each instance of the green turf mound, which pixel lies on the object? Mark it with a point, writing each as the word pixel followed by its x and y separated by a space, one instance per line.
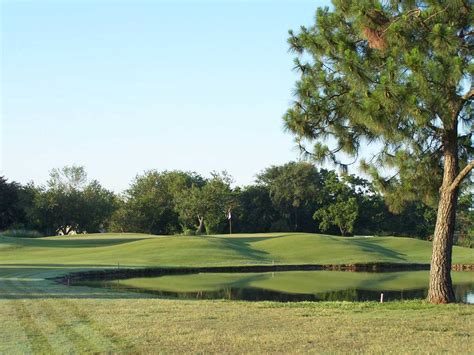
pixel 146 250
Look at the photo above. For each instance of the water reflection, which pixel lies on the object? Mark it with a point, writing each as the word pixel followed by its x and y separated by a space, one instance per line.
pixel 294 286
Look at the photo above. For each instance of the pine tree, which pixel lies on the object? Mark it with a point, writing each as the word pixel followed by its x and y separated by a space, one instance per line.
pixel 396 75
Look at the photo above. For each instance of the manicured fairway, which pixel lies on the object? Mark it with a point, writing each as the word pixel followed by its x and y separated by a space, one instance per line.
pixel 144 250
pixel 40 316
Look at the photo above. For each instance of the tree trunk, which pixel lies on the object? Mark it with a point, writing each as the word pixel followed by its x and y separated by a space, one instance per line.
pixel 343 233
pixel 441 287
pixel 201 225
pixel 296 219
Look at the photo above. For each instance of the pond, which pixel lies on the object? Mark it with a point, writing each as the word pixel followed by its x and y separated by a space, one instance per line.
pixel 289 286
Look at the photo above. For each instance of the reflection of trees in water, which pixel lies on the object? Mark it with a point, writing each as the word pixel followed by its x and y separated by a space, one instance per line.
pixel 228 294
pixel 461 291
pixel 256 294
pixel 342 295
pixel 370 295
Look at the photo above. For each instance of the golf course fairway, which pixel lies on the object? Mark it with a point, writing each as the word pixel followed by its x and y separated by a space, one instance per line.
pixel 39 315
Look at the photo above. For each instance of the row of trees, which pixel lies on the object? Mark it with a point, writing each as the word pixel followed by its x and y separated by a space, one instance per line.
pixel 68 203
pixel 291 197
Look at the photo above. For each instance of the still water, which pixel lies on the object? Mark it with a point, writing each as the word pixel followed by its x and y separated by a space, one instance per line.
pixel 288 286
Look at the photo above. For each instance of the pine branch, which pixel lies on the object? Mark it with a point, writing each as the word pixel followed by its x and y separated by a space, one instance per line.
pixel 462 34
pixel 337 95
pixel 464 172
pixel 414 12
pixel 435 14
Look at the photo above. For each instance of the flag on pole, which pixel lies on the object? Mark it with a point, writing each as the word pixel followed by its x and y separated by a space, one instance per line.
pixel 229 217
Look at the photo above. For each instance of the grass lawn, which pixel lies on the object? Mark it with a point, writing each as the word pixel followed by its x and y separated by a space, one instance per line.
pixel 145 250
pixel 40 316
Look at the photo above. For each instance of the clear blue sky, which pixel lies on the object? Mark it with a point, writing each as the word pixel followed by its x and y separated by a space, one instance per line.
pixel 126 86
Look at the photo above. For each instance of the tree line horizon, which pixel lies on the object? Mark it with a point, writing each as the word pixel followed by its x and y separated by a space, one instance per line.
pixel 293 197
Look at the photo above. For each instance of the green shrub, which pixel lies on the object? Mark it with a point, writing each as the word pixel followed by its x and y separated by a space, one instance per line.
pixel 188 231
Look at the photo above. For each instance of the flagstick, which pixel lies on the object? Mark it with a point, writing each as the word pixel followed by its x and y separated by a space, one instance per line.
pixel 229 217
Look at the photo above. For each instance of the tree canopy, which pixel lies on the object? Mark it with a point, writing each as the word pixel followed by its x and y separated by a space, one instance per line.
pixel 340 207
pixel 149 204
pixel 295 189
pixel 70 203
pixel 10 204
pixel 206 206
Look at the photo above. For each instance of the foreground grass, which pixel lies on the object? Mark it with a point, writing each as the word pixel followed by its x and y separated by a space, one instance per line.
pixel 151 326
pixel 40 316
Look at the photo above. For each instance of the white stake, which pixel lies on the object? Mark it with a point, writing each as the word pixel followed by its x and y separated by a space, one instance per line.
pixel 381 298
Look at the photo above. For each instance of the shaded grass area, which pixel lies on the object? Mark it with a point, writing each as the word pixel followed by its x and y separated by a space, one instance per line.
pixel 38 315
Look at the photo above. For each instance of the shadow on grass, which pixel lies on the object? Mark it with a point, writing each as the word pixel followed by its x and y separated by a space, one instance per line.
pixel 249 240
pixel 64 266
pixel 372 247
pixel 243 247
pixel 75 243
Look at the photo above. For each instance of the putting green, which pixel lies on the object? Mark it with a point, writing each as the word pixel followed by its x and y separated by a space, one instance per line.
pixel 135 250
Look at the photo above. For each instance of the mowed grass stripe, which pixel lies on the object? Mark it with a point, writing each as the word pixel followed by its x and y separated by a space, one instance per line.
pixel 13 337
pixel 45 322
pixel 112 341
pixel 31 335
pixel 32 327
pixel 76 330
pixel 61 334
pixel 64 302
